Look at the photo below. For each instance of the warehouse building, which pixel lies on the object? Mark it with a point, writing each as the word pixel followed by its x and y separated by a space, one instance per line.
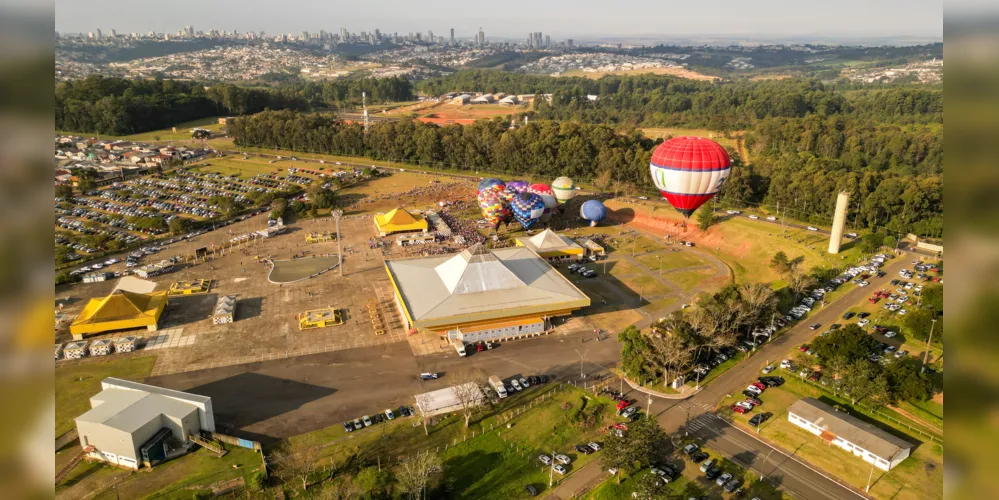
pixel 873 445
pixel 482 294
pixel 445 401
pixel 132 424
pixel 552 246
pixel 121 310
pixel 399 221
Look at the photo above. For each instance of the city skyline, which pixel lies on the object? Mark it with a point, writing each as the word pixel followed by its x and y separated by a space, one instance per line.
pixel 727 19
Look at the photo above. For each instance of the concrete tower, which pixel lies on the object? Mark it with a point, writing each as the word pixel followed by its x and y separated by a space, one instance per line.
pixel 839 221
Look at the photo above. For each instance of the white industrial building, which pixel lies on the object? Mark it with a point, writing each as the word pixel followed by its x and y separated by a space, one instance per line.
pixel 444 400
pixel 873 445
pixel 131 424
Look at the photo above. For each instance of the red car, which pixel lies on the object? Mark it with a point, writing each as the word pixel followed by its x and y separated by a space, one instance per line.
pixel 622 426
pixel 759 385
pixel 874 299
pixel 739 409
pixel 623 404
pixel 803 347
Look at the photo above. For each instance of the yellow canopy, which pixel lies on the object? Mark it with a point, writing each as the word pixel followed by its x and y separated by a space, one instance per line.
pixel 399 220
pixel 118 311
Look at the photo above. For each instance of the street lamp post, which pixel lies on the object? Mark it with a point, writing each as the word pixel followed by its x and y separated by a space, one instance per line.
pixel 762 474
pixel 660 257
pixel 337 214
pixel 869 477
pixel 581 356
pixel 551 472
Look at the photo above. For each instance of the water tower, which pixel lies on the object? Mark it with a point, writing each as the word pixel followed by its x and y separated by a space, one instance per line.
pixel 839 221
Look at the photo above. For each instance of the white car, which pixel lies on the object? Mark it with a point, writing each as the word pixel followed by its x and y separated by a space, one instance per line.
pixel 864 322
pixel 769 368
pixel 753 389
pixel 889 334
pixel 545 459
pixel 515 384
pixel 902 312
pixel 643 197
pixel 771 218
pixel 863 284
pixel 523 382
pixel 595 446
pixel 733 212
pixel 754 217
pixel 366 420
pixel 560 469
pixel 813 228
pixel 562 459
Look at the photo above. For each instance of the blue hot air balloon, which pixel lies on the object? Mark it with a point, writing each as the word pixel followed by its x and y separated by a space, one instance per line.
pixel 489 182
pixel 527 208
pixel 593 211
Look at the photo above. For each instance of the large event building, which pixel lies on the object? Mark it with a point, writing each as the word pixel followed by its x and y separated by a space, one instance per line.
pixel 482 294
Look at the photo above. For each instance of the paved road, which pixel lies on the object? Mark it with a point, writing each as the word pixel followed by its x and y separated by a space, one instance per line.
pixel 796 477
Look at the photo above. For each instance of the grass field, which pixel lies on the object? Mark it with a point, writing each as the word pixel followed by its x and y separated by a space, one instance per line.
pixel 919 476
pixel 671 260
pixel 496 465
pixel 183 132
pixel 75 384
pixel 681 72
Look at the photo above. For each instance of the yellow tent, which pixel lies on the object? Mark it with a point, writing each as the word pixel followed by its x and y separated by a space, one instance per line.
pixel 119 311
pixel 398 221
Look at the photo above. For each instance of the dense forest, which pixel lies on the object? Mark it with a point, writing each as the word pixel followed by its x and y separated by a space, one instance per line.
pixel 803 182
pixel 118 106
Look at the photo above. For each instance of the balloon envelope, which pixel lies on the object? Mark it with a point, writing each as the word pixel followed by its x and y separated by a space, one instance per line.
pixel 527 209
pixel 689 171
pixel 564 189
pixel 484 183
pixel 550 204
pixel 593 211
pixel 517 186
pixel 494 208
pixel 541 189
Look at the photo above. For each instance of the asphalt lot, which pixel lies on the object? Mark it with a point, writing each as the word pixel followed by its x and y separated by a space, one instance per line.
pixel 272 400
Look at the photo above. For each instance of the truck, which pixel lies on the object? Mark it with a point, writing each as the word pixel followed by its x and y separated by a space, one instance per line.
pixel 498 386
pixel 458 346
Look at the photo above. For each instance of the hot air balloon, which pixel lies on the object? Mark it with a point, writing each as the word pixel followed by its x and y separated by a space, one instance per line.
pixel 550 204
pixel 484 183
pixel 593 211
pixel 541 189
pixel 495 210
pixel 527 208
pixel 517 186
pixel 689 171
pixel 564 189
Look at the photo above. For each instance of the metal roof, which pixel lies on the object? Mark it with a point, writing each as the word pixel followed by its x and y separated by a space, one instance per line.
pixel 480 284
pixel 129 410
pixel 549 241
pixel 850 428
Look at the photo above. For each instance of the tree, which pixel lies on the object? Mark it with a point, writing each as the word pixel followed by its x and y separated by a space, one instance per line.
pixel 298 459
pixel 671 349
pixel 640 447
pixel 200 133
pixel 799 282
pixel 848 344
pixel 466 391
pixel 603 179
pixel 180 225
pixel 780 263
pixel 918 323
pixel 418 472
pixel 422 403
pixel 278 207
pixel 870 243
pixel 375 483
pixel 342 488
pixel 705 217
pixel 857 380
pixel 321 197
pixel 933 297
pixel 64 191
pixel 889 241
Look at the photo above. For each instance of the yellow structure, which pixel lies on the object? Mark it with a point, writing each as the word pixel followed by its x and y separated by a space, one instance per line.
pixel 399 221
pixel 119 311
pixel 190 287
pixel 320 237
pixel 320 318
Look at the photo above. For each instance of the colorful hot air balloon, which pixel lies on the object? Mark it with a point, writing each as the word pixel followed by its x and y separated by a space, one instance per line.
pixel 495 210
pixel 564 189
pixel 484 183
pixel 517 186
pixel 593 211
pixel 689 171
pixel 527 209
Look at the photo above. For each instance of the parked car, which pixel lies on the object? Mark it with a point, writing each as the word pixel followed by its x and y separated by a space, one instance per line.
pixel 545 459
pixel 531 490
pixel 594 446
pixel 690 448
pixel 732 485
pixel 389 415
pixel 759 418
pixel 848 315
pixel 712 473
pixel 515 384
pixel 707 464
pixel 523 382
pixel 585 450
pixel 358 424
pixel 348 427
pixel 698 457
pixel 559 469
pixel 724 478
pixel 367 421
pixel 563 459
pixel 813 228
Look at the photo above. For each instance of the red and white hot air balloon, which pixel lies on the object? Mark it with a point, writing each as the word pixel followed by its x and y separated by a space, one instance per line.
pixel 689 171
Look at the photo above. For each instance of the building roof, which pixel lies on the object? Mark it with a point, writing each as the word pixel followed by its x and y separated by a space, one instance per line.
pixel 480 284
pixel 122 305
pixel 126 406
pixel 850 428
pixel 549 241
pixel 135 285
pixel 400 220
pixel 443 400
pixel 225 306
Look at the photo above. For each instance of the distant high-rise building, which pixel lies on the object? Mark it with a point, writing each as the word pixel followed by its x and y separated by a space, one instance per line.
pixel 114 33
pixel 482 38
pixel 305 36
pixel 90 35
pixel 189 31
pixel 343 34
pixel 530 40
pixel 430 36
pixel 569 43
pixel 452 36
pixel 548 41
pixel 99 34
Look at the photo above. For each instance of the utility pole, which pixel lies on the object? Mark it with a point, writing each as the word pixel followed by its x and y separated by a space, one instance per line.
pixel 648 408
pixel 686 426
pixel 926 355
pixel 337 214
pixel 551 471
pixel 764 458
pixel 869 477
pixel 660 257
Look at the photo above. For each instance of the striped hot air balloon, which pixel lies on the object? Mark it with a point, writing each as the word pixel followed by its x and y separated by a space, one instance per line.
pixel 689 171
pixel 564 189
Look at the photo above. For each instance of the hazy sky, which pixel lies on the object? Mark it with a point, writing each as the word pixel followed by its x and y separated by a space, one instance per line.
pixel 514 18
